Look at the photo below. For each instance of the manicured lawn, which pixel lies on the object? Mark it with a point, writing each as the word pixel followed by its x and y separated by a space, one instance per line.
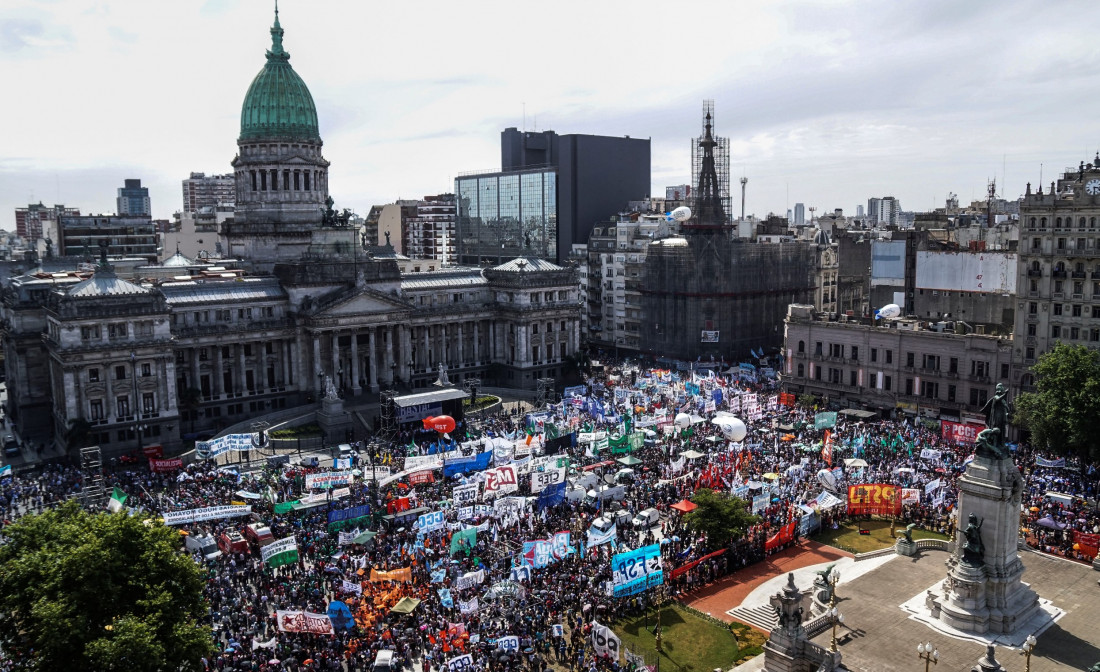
pixel 688 642
pixel 848 538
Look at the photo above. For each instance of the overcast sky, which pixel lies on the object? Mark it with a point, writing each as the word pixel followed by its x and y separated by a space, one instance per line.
pixel 825 103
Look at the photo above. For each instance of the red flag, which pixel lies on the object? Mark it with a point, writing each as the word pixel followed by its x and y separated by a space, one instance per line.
pixel 827 450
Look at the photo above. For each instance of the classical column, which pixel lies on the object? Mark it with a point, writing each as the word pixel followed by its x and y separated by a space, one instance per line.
pixel 317 371
pixel 477 343
pixel 372 362
pixel 388 362
pixel 288 362
pixel 242 379
pixel 576 336
pixel 216 380
pixel 460 359
pixel 444 356
pixel 406 348
pixel 195 383
pixel 427 361
pixel 112 405
pixel 71 392
pixel 355 389
pixel 335 358
pixel 168 373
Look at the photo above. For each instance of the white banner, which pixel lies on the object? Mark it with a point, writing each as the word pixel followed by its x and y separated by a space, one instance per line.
pixel 460 664
pixel 328 479
pixel 276 547
pixel 352 587
pixel 930 454
pixel 932 485
pixel 468 607
pixel 208 513
pixel 605 642
pixel 421 462
pixel 500 480
pixel 304 621
pixel 464 495
pixel 346 538
pixel 509 643
pixel 470 579
pixel 429 522
pixel 540 480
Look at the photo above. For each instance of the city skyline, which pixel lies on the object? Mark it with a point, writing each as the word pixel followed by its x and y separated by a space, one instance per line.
pixel 828 106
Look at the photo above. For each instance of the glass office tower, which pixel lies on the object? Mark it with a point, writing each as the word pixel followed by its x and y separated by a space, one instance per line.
pixel 502 216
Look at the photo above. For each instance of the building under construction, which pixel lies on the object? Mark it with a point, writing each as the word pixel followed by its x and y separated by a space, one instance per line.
pixel 706 294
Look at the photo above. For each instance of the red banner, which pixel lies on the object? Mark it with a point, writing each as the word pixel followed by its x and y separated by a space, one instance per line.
pixel 876 499
pixel 155 450
pixel 785 534
pixel 1089 544
pixel 421 477
pixel 168 464
pixel 786 399
pixel 680 570
pixel 957 432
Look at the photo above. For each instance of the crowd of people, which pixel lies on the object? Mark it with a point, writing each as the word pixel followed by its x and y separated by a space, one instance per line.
pixel 507 558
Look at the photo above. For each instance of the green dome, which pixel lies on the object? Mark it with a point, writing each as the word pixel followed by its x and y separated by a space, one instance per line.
pixel 278 104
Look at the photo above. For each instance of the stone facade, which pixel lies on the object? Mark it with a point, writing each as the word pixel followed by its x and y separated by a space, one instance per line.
pixel 901 364
pixel 95 358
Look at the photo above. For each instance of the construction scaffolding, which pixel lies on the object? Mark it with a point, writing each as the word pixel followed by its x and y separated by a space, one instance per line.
pixel 93 492
pixel 721 152
pixel 387 425
pixel 545 394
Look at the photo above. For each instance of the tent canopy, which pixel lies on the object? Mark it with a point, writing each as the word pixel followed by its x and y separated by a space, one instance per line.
pixel 684 506
pixel 692 454
pixel 859 414
pixel 405 606
pixel 629 460
pixel 855 462
pixel 364 538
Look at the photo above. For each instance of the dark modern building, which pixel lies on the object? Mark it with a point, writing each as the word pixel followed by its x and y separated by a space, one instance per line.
pixel 133 199
pixel 126 236
pixel 551 190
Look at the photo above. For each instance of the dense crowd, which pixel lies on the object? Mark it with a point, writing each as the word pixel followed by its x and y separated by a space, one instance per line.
pixel 518 593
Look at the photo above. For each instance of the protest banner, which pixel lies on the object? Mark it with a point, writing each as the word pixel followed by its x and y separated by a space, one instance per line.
pixel 165 464
pixel 207 513
pixel 403 575
pixel 281 552
pixel 605 642
pixel 304 621
pixel 876 499
pixel 634 571
pixel 329 479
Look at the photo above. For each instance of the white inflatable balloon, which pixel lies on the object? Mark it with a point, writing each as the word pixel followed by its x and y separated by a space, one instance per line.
pixel 734 429
pixel 827 479
pixel 683 420
pixel 888 311
pixel 680 214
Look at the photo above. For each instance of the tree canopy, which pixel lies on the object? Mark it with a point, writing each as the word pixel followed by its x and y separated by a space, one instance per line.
pixel 1063 413
pixel 99 592
pixel 719 516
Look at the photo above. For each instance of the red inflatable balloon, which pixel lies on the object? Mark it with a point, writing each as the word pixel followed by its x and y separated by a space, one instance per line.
pixel 444 424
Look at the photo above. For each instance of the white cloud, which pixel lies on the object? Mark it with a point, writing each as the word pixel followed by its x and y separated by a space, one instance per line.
pixel 824 103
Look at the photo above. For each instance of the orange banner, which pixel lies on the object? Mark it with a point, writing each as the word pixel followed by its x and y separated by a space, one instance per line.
pixel 403 574
pixel 876 499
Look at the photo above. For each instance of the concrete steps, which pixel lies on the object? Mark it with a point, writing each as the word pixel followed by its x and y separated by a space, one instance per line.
pixel 762 616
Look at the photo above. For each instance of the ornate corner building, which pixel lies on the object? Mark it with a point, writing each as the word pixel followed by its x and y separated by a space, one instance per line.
pixel 92 357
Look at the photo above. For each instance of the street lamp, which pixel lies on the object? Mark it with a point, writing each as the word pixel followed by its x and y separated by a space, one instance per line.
pixel 833 580
pixel 1026 649
pixel 929 654
pixel 837 618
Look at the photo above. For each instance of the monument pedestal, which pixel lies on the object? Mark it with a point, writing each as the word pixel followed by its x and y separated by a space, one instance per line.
pixel 906 548
pixel 988 597
pixel 333 419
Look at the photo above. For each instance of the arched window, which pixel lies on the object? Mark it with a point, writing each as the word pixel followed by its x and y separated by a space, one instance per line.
pixel 1035 266
pixel 801 370
pixel 1058 223
pixel 1042 222
pixel 802 346
pixel 1081 223
pixel 1031 223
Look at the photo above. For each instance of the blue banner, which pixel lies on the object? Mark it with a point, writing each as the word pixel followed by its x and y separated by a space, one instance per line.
pixel 348 514
pixel 463 465
pixel 634 571
pixel 551 495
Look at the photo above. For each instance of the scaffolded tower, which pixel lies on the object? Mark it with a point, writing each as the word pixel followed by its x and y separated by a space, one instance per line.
pixel 720 153
pixel 91 467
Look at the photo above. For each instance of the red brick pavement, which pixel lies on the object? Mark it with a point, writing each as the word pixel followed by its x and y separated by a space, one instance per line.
pixel 719 597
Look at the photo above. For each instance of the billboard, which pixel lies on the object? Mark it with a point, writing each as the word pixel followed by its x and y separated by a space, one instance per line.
pixel 876 499
pixel 993 272
pixel 888 262
pixel 710 337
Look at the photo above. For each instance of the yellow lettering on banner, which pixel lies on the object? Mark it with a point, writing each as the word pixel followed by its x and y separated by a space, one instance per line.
pixel 237 503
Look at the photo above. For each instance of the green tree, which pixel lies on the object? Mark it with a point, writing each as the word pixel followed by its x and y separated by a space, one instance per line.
pixel 1063 413
pixel 98 593
pixel 720 516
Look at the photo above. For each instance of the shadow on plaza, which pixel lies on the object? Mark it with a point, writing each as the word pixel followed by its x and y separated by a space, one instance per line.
pixel 1066 648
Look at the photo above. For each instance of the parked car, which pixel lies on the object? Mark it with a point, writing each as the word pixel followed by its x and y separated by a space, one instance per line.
pixel 11 446
pixel 204 544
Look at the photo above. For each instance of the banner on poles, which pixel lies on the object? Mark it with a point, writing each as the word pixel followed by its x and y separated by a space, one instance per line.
pixel 304 621
pixel 281 552
pixel 876 499
pixel 208 513
pixel 634 571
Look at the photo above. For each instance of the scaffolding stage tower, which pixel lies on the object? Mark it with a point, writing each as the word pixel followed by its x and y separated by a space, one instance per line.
pixel 91 468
